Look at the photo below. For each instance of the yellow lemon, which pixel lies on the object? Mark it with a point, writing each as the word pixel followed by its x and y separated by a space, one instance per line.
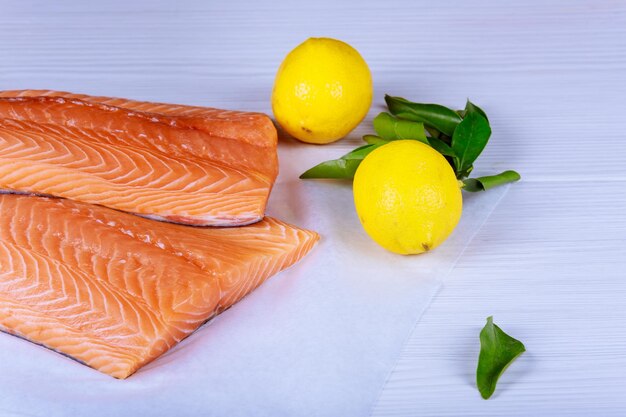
pixel 407 197
pixel 322 91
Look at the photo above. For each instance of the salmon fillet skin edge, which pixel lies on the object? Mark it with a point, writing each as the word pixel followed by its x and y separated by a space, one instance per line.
pixel 113 290
pixel 183 164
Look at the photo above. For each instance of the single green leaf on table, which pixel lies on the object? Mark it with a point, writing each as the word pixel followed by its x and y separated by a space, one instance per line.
pixel 342 168
pixel 470 138
pixel 391 128
pixel 485 183
pixel 439 117
pixel 497 351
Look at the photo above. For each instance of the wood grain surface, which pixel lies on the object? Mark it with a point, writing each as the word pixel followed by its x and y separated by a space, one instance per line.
pixel 548 264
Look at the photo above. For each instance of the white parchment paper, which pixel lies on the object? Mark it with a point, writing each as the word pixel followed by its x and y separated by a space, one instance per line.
pixel 316 340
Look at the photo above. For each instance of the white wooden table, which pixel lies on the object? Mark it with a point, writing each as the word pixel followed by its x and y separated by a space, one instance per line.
pixel 550 261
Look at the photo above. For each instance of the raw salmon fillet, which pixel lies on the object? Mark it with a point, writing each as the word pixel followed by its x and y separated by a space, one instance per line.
pixel 183 164
pixel 114 290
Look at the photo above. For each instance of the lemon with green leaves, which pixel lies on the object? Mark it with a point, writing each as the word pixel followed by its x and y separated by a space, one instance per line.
pixel 322 91
pixel 407 197
pixel 408 178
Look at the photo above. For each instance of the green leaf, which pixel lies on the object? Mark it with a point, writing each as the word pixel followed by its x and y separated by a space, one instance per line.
pixel 444 149
pixel 374 140
pixel 470 138
pixel 441 147
pixel 497 351
pixel 472 108
pixel 485 183
pixel 335 169
pixel 342 168
pixel 465 173
pixel 392 128
pixel 360 152
pixel 439 117
pixel 434 133
pixel 435 143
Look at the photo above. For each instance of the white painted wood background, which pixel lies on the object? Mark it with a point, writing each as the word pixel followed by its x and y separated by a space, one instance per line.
pixel 549 263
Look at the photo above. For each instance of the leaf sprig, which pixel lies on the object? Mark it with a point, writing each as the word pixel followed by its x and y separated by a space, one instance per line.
pixel 460 136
